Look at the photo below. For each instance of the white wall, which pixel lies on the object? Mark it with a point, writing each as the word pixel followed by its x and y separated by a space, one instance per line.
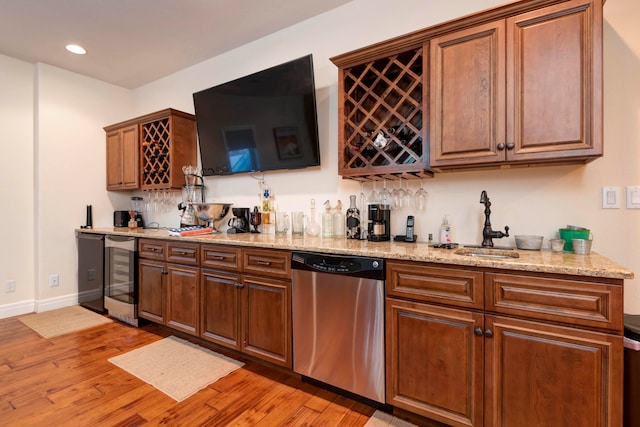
pixel 16 183
pixel 66 159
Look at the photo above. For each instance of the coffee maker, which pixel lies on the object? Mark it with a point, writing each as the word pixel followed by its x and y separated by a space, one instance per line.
pixel 379 222
pixel 239 223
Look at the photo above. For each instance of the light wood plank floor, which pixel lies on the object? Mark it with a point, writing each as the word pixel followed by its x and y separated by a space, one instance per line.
pixel 67 381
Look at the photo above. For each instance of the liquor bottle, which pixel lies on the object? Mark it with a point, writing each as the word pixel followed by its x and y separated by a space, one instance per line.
pixel 338 221
pixel 353 219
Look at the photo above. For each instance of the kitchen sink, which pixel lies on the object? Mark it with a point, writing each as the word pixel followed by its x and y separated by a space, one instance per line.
pixel 488 253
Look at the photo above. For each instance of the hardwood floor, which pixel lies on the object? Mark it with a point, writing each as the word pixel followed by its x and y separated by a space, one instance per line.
pixel 67 381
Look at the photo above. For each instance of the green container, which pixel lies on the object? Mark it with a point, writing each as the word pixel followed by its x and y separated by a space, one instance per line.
pixel 569 235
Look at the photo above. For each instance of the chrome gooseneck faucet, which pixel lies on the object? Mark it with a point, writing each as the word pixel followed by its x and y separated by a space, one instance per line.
pixel 487 233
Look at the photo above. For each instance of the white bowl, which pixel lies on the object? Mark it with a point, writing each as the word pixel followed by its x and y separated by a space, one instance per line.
pixel 532 243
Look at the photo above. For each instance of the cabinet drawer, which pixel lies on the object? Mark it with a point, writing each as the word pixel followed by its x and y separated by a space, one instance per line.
pixel 220 257
pixel 183 253
pixel 267 263
pixel 152 249
pixel 454 286
pixel 590 304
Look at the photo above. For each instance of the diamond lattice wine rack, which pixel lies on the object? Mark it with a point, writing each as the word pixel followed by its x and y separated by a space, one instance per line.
pixel 167 143
pixel 156 142
pixel 383 118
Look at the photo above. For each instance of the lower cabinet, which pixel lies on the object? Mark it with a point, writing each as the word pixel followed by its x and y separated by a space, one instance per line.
pixel 239 298
pixel 169 293
pixel 435 362
pixel 248 313
pixel 479 367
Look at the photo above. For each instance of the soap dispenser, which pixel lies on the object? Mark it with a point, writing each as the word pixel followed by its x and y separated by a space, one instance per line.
pixel 446 231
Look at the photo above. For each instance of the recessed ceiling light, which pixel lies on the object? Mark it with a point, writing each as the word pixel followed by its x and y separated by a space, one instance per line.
pixel 74 48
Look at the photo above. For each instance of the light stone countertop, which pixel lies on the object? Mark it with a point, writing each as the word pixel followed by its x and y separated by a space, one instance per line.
pixel 544 261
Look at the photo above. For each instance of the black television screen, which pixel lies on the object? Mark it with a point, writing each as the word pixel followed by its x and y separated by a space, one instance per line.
pixel 261 122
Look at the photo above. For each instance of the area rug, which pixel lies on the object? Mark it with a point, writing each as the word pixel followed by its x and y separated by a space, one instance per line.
pixel 382 419
pixel 49 324
pixel 176 367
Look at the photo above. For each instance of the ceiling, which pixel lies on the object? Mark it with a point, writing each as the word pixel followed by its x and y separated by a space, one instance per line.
pixel 133 42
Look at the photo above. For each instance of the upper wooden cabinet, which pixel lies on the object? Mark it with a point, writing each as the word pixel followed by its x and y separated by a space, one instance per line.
pixel 517 85
pixel 521 90
pixel 122 157
pixel 167 143
pixel 381 114
pixel 149 152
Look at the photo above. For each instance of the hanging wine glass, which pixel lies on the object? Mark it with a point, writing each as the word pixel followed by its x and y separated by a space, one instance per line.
pixel 399 196
pixel 408 196
pixel 374 197
pixel 385 195
pixel 362 199
pixel 420 198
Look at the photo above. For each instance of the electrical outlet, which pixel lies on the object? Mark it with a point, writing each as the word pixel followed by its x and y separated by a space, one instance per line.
pixel 54 280
pixel 11 286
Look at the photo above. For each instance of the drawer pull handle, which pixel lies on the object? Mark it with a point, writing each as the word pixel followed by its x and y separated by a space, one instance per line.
pixel 478 332
pixel 181 252
pixel 218 257
pixel 264 262
pixel 488 333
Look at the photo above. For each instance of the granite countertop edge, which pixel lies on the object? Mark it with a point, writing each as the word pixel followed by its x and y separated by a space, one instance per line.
pixel 543 261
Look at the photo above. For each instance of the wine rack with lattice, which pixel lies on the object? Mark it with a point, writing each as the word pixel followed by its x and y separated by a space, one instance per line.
pixel 156 152
pixel 383 117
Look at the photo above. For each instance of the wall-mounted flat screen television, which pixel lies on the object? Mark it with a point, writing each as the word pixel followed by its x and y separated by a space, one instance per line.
pixel 261 122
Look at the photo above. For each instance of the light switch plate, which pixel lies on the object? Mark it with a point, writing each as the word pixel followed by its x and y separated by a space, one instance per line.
pixel 610 197
pixel 633 197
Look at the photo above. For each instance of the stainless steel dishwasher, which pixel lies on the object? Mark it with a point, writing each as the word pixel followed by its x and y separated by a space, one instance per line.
pixel 338 321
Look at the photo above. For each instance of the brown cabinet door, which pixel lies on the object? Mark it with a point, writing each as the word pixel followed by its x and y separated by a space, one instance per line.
pixel 435 362
pixel 183 298
pixel 151 285
pixel 266 319
pixel 554 82
pixel 122 158
pixel 130 174
pixel 467 96
pixel 545 375
pixel 220 309
pixel 114 160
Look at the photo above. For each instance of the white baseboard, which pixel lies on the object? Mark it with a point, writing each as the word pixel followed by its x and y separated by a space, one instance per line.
pixel 37 306
pixel 17 308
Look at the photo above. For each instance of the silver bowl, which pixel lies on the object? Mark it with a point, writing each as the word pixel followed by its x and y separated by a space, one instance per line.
pixel 210 213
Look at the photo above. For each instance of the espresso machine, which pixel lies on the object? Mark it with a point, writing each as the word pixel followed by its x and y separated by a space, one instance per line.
pixel 379 222
pixel 192 192
pixel 239 223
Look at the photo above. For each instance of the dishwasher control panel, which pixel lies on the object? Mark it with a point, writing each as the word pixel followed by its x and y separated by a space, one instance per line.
pixel 332 264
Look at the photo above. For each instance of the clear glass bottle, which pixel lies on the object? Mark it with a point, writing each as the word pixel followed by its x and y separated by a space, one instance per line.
pixel 339 222
pixel 327 221
pixel 353 219
pixel 313 229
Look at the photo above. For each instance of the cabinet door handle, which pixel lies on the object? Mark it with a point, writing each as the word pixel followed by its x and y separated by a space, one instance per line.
pixel 239 285
pixel 165 272
pixel 478 332
pixel 510 146
pixel 488 333
pixel 500 146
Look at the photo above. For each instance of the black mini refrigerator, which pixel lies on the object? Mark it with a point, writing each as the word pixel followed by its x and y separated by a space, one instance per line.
pixel 91 271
